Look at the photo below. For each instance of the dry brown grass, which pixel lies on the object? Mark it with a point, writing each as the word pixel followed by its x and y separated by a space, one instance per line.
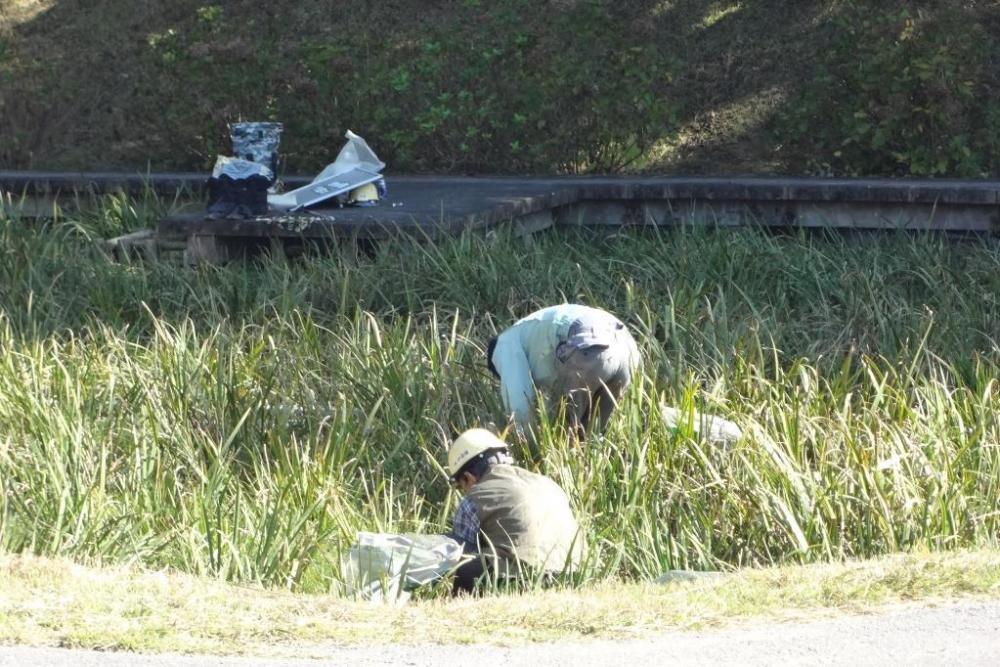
pixel 57 603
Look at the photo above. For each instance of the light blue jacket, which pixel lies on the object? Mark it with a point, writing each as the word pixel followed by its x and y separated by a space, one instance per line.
pixel 525 354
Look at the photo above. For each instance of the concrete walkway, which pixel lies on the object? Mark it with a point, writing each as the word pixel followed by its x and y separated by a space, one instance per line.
pixel 436 204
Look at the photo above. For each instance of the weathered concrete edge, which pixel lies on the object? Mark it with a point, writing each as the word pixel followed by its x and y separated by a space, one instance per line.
pixel 916 191
pixel 368 223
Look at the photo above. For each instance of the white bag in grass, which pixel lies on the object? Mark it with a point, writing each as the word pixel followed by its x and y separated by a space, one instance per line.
pixel 384 566
pixel 710 427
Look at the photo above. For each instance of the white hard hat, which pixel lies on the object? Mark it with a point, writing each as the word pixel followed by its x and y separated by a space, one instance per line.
pixel 469 445
pixel 366 192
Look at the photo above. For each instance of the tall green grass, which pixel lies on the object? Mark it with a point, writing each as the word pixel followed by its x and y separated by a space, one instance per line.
pixel 245 421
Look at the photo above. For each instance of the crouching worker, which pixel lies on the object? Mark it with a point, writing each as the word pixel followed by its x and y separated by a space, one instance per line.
pixel 517 522
pixel 581 354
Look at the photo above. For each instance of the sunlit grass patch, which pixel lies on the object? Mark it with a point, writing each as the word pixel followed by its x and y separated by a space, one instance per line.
pixel 719 11
pixel 53 602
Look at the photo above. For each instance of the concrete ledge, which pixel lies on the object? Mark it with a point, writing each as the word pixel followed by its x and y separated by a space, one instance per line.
pixel 733 213
pixel 435 205
pixel 585 187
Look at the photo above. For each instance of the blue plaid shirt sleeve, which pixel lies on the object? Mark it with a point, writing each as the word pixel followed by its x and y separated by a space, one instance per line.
pixel 465 525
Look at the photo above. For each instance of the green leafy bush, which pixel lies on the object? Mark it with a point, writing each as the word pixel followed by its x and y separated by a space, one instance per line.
pixel 508 94
pixel 901 91
pixel 715 86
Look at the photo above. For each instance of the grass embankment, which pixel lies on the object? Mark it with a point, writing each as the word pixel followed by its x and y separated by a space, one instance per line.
pixel 46 602
pixel 713 86
pixel 244 422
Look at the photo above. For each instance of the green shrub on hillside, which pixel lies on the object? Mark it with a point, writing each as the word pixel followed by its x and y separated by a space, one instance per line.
pixel 719 86
pixel 544 108
pixel 479 90
pixel 909 91
pixel 588 105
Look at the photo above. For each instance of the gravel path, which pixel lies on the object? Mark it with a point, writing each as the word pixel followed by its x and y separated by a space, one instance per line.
pixel 966 633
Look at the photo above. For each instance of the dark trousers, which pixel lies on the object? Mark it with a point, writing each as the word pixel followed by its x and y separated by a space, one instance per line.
pixel 509 574
pixel 468 575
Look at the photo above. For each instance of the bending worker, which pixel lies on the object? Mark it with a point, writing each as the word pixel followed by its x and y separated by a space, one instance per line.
pixel 518 522
pixel 579 353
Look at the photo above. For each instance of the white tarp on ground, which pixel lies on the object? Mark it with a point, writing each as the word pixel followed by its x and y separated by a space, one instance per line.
pixel 383 566
pixel 356 165
pixel 710 427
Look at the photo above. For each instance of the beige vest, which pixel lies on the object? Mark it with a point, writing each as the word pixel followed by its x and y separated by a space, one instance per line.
pixel 526 516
